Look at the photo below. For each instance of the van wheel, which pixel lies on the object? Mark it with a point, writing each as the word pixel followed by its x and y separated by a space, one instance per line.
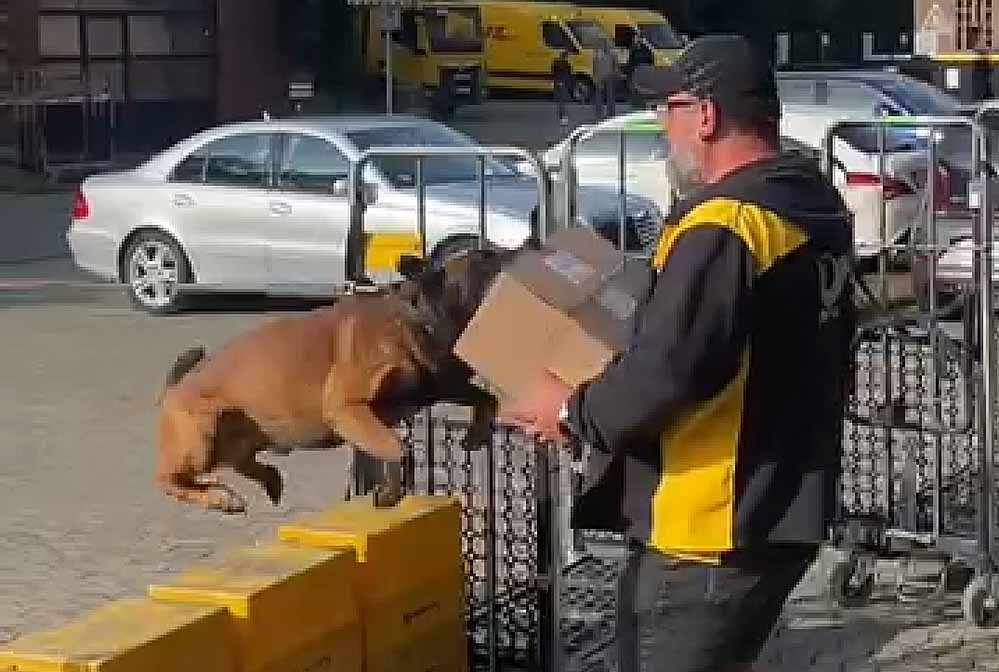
pixel 152 267
pixel 582 89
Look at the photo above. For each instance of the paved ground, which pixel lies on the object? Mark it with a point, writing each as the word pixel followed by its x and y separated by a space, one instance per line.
pixel 81 522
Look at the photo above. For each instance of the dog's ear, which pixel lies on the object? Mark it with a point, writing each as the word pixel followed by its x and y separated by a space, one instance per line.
pixel 411 266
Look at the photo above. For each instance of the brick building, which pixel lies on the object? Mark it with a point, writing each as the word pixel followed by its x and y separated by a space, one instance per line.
pixel 171 66
pixel 955 26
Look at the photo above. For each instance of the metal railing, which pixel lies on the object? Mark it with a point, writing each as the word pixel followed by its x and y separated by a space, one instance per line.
pixel 544 485
pixel 355 235
pixel 896 334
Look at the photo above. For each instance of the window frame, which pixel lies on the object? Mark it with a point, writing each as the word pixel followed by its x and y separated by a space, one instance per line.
pixel 271 164
pixel 280 148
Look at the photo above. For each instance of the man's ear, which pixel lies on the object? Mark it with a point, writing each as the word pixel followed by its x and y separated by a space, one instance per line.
pixel 410 266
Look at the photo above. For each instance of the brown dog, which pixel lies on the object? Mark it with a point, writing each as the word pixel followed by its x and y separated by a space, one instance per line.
pixel 348 373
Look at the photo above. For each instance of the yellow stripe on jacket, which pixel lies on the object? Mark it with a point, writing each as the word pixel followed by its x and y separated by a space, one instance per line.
pixel 693 510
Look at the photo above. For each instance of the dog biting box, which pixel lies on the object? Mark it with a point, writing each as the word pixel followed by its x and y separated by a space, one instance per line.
pixel 410 581
pixel 132 635
pixel 292 607
pixel 568 309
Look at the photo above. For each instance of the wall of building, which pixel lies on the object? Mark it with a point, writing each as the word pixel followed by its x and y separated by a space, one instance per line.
pixel 170 66
pixel 251 73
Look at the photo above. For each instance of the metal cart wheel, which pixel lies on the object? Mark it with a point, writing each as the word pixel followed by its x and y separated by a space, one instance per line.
pixel 850 583
pixel 977 604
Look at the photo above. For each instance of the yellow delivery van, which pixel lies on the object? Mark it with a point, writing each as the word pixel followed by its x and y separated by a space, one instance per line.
pixel 523 39
pixel 437 49
pixel 653 30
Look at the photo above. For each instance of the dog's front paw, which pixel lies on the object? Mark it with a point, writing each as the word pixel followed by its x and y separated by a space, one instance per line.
pixel 274 485
pixel 227 501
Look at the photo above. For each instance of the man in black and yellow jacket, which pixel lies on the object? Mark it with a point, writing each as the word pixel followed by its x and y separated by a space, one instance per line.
pixel 716 436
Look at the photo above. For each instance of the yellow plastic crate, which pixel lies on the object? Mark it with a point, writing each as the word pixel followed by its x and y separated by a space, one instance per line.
pixel 133 635
pixel 410 576
pixel 445 649
pixel 293 607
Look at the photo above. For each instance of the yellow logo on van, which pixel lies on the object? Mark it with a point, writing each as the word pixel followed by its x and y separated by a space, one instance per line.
pixel 498 33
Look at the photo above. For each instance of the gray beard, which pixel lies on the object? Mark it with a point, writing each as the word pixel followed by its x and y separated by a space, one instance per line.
pixel 683 174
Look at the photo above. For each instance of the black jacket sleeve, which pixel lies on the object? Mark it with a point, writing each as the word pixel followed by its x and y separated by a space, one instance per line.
pixel 688 346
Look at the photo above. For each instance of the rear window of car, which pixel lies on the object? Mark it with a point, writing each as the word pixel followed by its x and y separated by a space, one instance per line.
pixel 866 139
pixel 918 97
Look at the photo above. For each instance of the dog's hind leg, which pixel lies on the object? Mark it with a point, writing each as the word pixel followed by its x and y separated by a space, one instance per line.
pixel 238 440
pixel 266 475
pixel 210 495
pixel 186 455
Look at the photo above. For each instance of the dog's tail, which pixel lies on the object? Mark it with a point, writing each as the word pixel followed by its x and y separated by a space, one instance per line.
pixel 185 363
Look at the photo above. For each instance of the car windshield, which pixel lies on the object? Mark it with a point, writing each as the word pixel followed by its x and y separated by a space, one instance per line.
pixel 588 33
pixel 453 30
pixel 917 97
pixel 660 35
pixel 401 171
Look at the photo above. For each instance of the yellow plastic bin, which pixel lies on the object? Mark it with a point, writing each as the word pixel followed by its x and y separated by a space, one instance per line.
pixel 133 635
pixel 410 582
pixel 292 607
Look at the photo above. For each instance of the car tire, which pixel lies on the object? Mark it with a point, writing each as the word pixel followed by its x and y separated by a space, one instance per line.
pixel 452 248
pixel 152 267
pixel 583 89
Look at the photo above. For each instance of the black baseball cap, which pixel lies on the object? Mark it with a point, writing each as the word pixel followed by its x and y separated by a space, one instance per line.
pixel 726 69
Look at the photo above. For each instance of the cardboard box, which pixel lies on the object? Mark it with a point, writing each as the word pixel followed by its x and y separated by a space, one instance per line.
pixel 567 309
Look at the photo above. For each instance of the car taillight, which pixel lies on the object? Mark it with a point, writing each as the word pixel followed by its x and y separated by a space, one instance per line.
pixel 81 208
pixel 941 189
pixel 893 187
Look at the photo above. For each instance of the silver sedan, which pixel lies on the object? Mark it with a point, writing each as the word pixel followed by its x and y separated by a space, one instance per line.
pixel 262 207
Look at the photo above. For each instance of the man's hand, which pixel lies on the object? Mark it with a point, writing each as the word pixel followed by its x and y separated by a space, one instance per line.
pixel 537 411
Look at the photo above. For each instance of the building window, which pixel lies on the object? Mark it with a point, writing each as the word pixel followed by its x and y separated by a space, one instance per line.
pixel 5 75
pixel 104 36
pixel 973 24
pixel 987 22
pixel 126 5
pixel 171 79
pixel 169 34
pixel 59 36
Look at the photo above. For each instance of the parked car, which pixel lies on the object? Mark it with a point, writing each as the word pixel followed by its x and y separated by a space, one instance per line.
pixel 646 148
pixel 813 101
pixel 262 207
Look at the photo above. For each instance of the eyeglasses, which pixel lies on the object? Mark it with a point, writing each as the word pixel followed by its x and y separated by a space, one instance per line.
pixel 669 105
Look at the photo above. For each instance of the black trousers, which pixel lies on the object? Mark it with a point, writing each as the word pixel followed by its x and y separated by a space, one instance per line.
pixel 688 617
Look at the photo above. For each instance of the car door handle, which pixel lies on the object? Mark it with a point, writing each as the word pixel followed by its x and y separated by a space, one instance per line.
pixel 280 208
pixel 183 200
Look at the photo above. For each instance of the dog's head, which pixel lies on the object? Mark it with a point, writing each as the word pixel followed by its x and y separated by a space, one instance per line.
pixel 447 296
